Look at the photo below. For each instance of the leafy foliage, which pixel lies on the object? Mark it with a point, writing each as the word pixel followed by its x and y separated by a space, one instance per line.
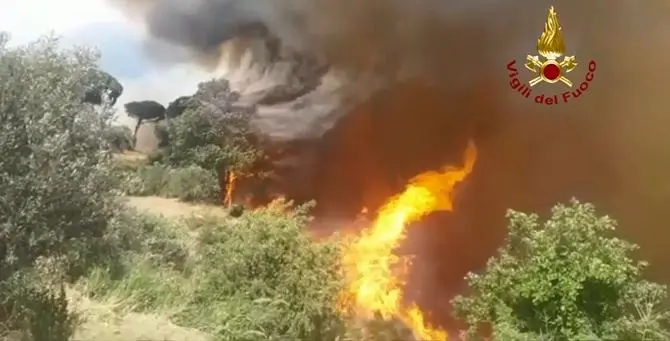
pixel 265 268
pixel 58 191
pixel 120 138
pixel 566 279
pixel 57 185
pixel 190 184
pixel 156 239
pixel 43 311
pixel 101 87
pixel 257 277
pixel 213 134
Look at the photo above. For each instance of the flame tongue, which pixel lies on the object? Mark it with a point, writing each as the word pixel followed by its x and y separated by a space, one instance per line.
pixel 231 178
pixel 376 277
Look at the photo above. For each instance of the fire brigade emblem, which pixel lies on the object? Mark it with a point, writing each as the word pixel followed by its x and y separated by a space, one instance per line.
pixel 551 46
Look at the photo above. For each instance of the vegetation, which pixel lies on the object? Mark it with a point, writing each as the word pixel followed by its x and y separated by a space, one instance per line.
pixel 213 135
pixel 253 274
pixel 199 147
pixel 101 87
pixel 257 277
pixel 54 162
pixel 566 279
pixel 190 183
pixel 120 138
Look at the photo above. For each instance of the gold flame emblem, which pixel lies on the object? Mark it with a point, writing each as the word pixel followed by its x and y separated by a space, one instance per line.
pixel 551 46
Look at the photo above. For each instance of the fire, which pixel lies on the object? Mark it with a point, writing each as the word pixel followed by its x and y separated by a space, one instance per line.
pixel 231 177
pixel 376 277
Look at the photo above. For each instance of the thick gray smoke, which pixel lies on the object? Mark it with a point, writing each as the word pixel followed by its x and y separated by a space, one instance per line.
pixel 334 54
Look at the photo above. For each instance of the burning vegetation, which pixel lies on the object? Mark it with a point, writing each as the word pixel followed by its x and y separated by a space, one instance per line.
pixel 349 112
pixel 376 275
pixel 363 111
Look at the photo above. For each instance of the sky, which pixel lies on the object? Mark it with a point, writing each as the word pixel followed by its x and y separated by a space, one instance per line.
pixel 120 41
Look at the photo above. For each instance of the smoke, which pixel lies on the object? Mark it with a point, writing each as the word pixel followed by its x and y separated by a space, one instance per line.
pixel 392 88
pixel 366 45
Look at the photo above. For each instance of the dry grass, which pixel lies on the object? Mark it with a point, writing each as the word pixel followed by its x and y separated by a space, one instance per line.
pixel 104 322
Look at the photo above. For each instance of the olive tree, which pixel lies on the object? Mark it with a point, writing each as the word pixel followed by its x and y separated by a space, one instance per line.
pixel 565 279
pixel 57 187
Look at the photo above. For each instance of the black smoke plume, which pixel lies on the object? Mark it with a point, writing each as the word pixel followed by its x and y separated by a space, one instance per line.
pixel 397 87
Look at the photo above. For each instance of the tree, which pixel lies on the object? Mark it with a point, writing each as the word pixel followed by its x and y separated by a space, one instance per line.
pixel 212 133
pixel 100 84
pixel 57 187
pixel 144 111
pixel 566 279
pixel 179 105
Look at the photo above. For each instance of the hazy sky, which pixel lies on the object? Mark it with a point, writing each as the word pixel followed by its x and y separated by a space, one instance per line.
pixel 95 23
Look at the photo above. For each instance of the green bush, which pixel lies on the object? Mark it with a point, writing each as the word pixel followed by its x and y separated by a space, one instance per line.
pixel 120 138
pixel 565 279
pixel 144 180
pixel 263 278
pixel 52 157
pixel 41 312
pixel 155 238
pixel 213 135
pixel 251 278
pixel 58 189
pixel 156 157
pixel 152 265
pixel 191 184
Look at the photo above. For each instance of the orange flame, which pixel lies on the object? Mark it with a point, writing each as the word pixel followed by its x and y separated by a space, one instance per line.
pixel 230 188
pixel 375 276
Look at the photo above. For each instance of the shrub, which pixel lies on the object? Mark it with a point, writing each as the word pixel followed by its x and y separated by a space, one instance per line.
pixel 566 279
pixel 152 265
pixel 263 278
pixel 162 134
pixel 211 133
pixel 251 278
pixel 53 157
pixel 236 210
pixel 58 190
pixel 120 138
pixel 214 134
pixel 191 184
pixel 41 312
pixel 156 239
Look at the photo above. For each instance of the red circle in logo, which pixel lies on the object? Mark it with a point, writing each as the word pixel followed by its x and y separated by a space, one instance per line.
pixel 551 72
